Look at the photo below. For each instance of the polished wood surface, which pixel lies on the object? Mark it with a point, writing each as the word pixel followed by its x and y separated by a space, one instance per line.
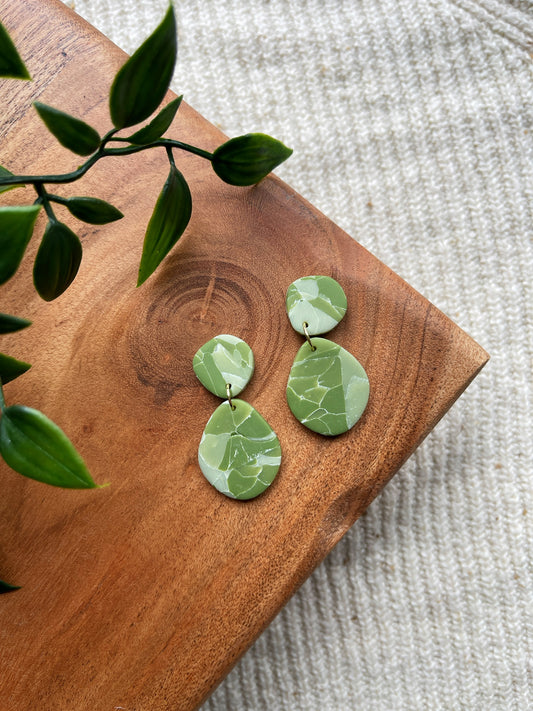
pixel 144 594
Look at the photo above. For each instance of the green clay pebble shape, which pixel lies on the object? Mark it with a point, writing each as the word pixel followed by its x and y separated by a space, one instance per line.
pixel 239 453
pixel 224 360
pixel 318 301
pixel 328 388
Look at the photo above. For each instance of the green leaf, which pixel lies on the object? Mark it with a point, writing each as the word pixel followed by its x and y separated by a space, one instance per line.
pixel 74 134
pixel 158 126
pixel 57 261
pixel 36 447
pixel 11 368
pixel 246 160
pixel 10 324
pixel 11 65
pixel 141 84
pixel 92 210
pixel 168 222
pixel 6 587
pixel 16 228
pixel 5 173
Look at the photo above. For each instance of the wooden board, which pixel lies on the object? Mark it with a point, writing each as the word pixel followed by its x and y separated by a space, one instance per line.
pixel 144 594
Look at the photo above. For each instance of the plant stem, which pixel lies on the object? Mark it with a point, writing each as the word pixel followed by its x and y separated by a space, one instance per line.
pixel 129 150
pixel 168 142
pixel 64 178
pixel 187 147
pixel 45 199
pixel 57 198
pixel 103 152
pixel 170 157
pixel 2 400
pixel 107 137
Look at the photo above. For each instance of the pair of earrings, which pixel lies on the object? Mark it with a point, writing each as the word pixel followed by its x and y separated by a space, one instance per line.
pixel 327 391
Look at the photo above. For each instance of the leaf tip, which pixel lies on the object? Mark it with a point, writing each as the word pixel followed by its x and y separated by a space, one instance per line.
pixel 141 279
pixel 7 587
pixel 39 107
pixel 12 66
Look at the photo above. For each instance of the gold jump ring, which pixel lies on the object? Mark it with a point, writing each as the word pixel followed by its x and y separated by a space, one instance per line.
pixel 307 336
pixel 228 394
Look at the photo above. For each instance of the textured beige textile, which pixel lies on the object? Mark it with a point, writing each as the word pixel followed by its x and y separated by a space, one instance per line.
pixel 411 123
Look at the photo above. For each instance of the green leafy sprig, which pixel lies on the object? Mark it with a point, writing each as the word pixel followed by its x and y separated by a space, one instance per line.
pixel 30 443
pixel 135 95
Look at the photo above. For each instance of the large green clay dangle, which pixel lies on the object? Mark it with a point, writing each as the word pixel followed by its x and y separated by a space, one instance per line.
pixel 239 453
pixel 328 388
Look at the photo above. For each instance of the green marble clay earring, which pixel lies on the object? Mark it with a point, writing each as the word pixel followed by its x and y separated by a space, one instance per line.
pixel 239 453
pixel 328 388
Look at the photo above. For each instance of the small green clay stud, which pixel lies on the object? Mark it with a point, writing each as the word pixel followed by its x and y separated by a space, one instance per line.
pixel 224 360
pixel 318 301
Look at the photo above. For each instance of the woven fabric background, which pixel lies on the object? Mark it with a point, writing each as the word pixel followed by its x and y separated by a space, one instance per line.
pixel 411 123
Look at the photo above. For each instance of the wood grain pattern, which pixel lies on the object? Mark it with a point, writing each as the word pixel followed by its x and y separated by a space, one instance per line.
pixel 144 594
